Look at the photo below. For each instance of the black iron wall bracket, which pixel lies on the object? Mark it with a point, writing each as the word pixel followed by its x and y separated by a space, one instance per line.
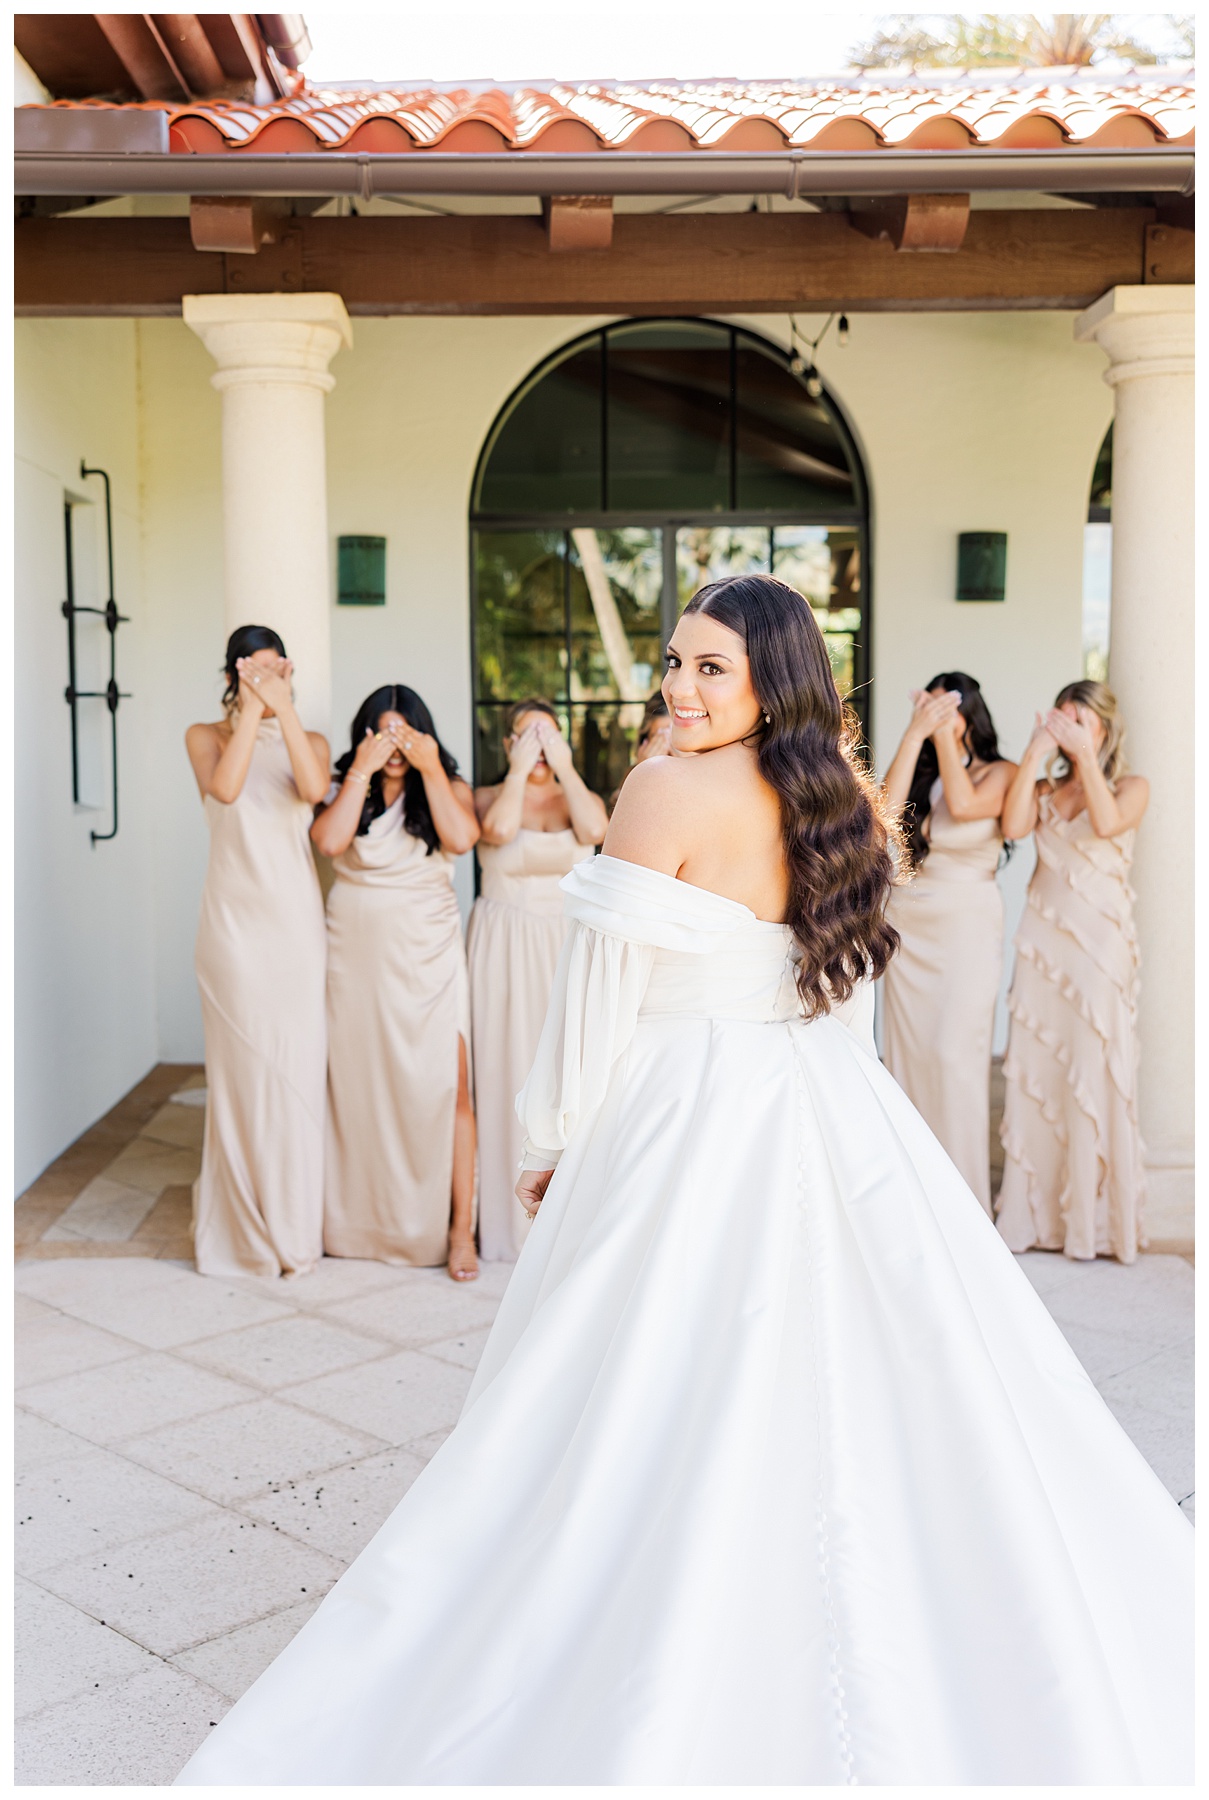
pixel 110 693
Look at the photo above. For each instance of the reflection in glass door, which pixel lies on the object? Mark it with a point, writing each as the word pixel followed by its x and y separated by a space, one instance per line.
pixel 574 617
pixel 823 563
pixel 641 461
pixel 581 617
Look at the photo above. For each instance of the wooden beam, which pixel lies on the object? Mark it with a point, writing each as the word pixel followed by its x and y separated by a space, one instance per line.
pixel 1170 254
pixel 497 264
pixel 137 41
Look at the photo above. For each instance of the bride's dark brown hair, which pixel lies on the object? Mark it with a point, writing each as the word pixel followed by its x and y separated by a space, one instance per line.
pixel 837 831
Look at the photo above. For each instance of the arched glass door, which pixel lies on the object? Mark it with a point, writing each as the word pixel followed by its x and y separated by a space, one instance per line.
pixel 638 463
pixel 1097 567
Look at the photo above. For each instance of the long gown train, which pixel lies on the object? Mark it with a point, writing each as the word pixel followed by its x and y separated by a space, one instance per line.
pixel 774 1470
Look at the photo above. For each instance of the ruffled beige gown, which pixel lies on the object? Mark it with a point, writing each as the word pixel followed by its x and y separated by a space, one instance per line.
pixel 258 1202
pixel 397 1002
pixel 516 932
pixel 1073 1175
pixel 939 991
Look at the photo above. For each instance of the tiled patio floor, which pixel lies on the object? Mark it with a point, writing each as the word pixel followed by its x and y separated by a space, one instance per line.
pixel 198 1460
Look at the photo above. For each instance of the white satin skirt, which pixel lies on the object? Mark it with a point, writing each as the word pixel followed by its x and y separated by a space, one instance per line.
pixel 775 1471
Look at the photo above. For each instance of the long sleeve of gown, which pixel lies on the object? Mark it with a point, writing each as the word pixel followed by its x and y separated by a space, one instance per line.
pixel 598 988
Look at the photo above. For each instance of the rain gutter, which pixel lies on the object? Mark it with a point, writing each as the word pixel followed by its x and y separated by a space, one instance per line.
pixel 796 174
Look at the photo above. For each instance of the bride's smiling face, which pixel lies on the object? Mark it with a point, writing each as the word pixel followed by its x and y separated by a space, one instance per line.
pixel 708 686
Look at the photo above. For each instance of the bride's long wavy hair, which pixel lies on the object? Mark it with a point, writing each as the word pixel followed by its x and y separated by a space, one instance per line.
pixel 839 837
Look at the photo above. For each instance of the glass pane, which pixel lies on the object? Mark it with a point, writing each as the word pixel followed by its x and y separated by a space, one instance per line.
pixel 616 581
pixel 707 553
pixel 604 738
pixel 825 566
pixel 841 649
pixel 1097 599
pixel 1101 481
pixel 546 457
pixel 520 622
pixel 669 418
pixel 789 456
pixel 491 762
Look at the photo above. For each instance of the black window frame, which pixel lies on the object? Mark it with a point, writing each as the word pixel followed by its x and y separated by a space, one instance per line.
pixel 856 514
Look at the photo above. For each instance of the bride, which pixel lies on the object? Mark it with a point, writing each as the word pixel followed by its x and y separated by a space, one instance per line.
pixel 775 1470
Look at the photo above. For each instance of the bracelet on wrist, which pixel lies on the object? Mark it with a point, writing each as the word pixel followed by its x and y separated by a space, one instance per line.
pixel 357 775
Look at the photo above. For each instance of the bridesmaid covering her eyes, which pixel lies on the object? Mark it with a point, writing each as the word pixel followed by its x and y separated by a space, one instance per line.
pixel 401 1132
pixel 536 825
pixel 949 781
pixel 258 1202
pixel 1073 1176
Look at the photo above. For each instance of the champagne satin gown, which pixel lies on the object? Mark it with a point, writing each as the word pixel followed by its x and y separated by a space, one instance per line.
pixel 939 992
pixel 775 1470
pixel 260 955
pixel 516 931
pixel 397 1003
pixel 1073 1176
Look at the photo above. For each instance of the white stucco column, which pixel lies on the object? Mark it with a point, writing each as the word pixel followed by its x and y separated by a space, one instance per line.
pixel 273 352
pixel 1147 334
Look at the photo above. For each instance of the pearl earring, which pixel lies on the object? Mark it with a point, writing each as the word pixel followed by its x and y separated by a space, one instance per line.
pixel 768 718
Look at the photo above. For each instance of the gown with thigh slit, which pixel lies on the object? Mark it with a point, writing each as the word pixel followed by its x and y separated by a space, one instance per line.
pixel 774 1471
pixel 258 1202
pixel 1073 1174
pixel 516 932
pixel 939 992
pixel 397 1003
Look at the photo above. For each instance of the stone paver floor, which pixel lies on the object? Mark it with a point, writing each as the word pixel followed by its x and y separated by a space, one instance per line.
pixel 198 1460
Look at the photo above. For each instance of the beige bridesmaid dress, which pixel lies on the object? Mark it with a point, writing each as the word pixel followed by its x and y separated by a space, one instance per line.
pixel 258 1202
pixel 516 932
pixel 1073 1175
pixel 397 1002
pixel 939 992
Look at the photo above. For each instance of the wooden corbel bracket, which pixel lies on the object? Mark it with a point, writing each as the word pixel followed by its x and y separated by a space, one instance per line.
pixel 578 221
pixel 234 225
pixel 927 222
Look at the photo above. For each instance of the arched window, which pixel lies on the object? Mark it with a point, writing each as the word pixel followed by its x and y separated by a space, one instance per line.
pixel 1097 567
pixel 634 465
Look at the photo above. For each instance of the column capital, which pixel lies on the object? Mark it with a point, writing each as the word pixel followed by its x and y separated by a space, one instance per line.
pixel 270 337
pixel 1142 330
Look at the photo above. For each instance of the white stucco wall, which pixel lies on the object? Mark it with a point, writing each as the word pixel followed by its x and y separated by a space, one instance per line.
pixel 181 474
pixel 966 422
pixel 85 1026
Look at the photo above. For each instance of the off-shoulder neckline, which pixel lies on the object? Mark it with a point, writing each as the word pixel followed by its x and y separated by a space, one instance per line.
pixel 690 886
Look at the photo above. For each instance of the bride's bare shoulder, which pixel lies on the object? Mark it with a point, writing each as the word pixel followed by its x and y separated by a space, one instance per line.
pixel 654 812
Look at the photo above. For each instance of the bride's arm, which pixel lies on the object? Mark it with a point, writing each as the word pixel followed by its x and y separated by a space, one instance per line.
pixel 598 988
pixel 601 975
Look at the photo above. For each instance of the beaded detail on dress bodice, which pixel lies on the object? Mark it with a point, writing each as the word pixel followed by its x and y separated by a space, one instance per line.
pixel 525 873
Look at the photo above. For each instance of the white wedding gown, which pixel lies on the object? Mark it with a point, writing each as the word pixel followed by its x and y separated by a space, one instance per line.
pixel 775 1469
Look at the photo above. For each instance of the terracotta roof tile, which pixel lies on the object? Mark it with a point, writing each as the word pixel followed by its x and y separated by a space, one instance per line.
pixel 994 109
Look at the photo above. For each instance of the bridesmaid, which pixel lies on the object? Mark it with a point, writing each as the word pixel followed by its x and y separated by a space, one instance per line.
pixel 950 779
pixel 258 1202
pixel 655 732
pixel 1073 1177
pixel 537 824
pixel 400 1143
